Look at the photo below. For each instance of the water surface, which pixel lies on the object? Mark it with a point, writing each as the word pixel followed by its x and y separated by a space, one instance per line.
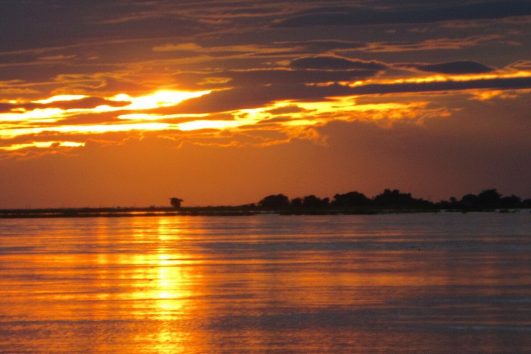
pixel 420 283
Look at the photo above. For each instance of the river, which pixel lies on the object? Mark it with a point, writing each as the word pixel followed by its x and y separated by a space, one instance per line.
pixel 409 283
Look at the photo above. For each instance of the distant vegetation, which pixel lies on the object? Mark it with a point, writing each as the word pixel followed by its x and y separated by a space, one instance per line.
pixel 392 199
pixel 389 201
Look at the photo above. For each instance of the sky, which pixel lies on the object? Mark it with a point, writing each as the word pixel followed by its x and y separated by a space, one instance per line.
pixel 129 102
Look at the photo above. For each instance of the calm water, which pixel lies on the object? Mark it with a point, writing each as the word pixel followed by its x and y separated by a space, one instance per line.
pixel 437 283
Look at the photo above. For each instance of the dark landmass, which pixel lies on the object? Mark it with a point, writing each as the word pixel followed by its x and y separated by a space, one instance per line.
pixel 351 203
pixel 393 199
pixel 124 212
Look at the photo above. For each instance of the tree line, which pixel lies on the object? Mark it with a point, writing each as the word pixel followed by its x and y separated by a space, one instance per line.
pixel 394 199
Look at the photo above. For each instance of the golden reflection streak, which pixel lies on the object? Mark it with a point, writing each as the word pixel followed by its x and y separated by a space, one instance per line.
pixel 174 287
pixel 158 284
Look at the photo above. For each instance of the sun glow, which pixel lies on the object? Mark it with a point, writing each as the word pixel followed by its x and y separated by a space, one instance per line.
pixel 158 99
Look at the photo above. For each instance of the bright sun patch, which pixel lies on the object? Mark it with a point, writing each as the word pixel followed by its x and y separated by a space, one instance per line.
pixel 158 99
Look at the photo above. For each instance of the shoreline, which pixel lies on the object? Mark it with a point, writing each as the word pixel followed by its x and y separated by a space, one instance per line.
pixel 220 211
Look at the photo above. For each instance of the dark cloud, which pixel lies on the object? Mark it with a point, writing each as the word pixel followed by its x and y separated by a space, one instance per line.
pixel 335 63
pixel 354 16
pixel 89 102
pixel 456 67
pixel 431 44
pixel 36 24
pixel 324 45
pixel 264 77
pixel 92 119
pixel 285 110
pixel 5 107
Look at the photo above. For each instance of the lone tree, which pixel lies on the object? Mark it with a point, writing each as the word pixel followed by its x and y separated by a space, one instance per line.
pixel 176 202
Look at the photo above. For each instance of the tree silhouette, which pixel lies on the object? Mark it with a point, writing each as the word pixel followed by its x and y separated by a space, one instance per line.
pixel 296 203
pixel 176 202
pixel 486 199
pixel 395 199
pixel 275 201
pixel 511 201
pixel 313 202
pixel 391 199
pixel 489 198
pixel 469 201
pixel 350 200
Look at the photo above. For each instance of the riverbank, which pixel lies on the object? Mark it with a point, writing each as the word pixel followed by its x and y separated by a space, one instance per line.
pixel 217 211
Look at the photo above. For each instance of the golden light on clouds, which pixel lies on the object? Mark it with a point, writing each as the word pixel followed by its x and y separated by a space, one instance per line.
pixel 28 124
pixel 147 116
pixel 36 115
pixel 42 145
pixel 61 98
pixel 511 74
pixel 158 99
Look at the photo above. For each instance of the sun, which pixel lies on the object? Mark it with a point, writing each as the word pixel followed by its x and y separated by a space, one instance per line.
pixel 158 99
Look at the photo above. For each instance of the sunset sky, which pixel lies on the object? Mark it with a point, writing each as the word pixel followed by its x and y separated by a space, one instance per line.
pixel 109 102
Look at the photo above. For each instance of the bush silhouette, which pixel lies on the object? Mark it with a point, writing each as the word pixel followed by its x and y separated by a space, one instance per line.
pixel 296 203
pixel 396 199
pixel 350 200
pixel 313 202
pixel 275 201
